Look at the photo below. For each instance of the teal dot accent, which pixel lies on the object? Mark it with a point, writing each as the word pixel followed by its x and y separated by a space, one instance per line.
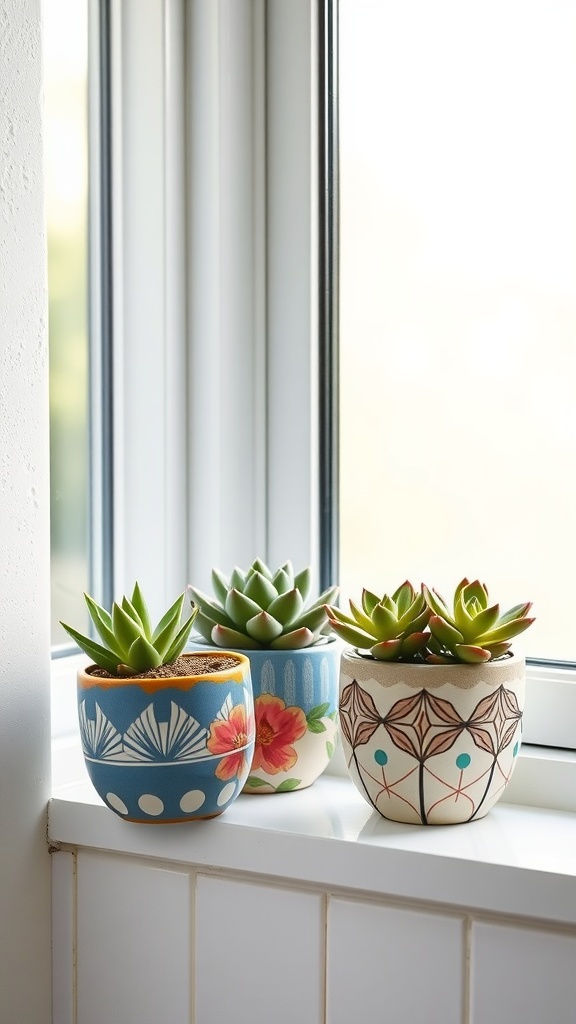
pixel 516 748
pixel 381 757
pixel 463 760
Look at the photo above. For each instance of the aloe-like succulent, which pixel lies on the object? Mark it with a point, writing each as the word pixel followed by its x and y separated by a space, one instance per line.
pixel 129 644
pixel 390 628
pixel 258 608
pixel 473 631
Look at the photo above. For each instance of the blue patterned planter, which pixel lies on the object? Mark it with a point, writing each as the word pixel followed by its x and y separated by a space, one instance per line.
pixel 168 750
pixel 431 744
pixel 296 711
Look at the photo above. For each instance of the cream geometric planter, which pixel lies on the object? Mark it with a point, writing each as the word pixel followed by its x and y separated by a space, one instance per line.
pixel 431 744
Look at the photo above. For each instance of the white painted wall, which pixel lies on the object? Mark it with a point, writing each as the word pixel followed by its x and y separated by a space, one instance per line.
pixel 24 529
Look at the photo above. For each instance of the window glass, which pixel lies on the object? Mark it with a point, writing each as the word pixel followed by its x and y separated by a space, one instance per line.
pixel 66 158
pixel 458 301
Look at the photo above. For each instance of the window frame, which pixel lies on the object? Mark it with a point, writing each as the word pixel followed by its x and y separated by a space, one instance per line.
pixel 225 96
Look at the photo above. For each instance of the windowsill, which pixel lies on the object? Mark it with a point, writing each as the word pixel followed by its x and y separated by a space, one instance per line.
pixel 519 860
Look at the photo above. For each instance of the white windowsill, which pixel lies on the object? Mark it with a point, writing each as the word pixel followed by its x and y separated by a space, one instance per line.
pixel 518 861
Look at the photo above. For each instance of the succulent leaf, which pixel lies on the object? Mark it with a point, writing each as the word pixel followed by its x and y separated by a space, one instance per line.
pixel 303 582
pixel 221 585
pixel 264 628
pixel 437 604
pixel 223 636
pixel 243 598
pixel 351 634
pixel 387 650
pixel 287 607
pixel 261 590
pixel 369 601
pixel 239 608
pixel 141 608
pixel 363 620
pixel 127 648
pixel 384 622
pixel 506 631
pixel 404 597
pixel 444 632
pixel 295 640
pixel 470 654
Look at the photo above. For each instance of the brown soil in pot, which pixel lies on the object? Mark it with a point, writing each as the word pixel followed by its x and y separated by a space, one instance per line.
pixel 189 665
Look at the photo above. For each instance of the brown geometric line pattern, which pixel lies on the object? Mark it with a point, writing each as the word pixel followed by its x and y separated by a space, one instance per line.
pixel 423 725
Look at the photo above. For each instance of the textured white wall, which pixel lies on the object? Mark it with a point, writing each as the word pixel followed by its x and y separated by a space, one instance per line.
pixel 24 529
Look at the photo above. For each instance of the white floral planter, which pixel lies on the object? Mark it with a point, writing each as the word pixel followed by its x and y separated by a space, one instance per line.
pixel 431 744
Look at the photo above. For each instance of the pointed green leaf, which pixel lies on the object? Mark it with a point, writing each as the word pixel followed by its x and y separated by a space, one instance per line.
pixel 209 609
pixel 329 749
pixel 179 642
pixel 444 632
pixel 303 583
pixel 282 581
pixel 413 644
pixel 103 625
pixel 175 610
pixel 326 597
pixel 351 634
pixel 505 632
pixel 388 650
pixel 360 617
pixel 221 585
pixel 288 568
pixel 130 610
pixel 471 654
pixel 384 622
pixel 369 601
pixel 239 608
pixel 141 609
pixel 295 640
pixel 142 655
pixel 103 615
pixel 104 658
pixel 264 627
pixel 462 620
pixel 404 597
pixel 238 579
pixel 125 629
pixel 333 612
pixel 223 636
pixel 286 607
pixel 259 566
pixel 260 590
pixel 437 604
pixel 519 611
pixel 497 650
pixel 485 620
pixel 204 625
pixel 477 591
pixel 313 618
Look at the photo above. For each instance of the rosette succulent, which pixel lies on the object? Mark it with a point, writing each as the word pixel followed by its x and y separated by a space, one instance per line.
pixel 389 628
pixel 473 630
pixel 260 608
pixel 129 643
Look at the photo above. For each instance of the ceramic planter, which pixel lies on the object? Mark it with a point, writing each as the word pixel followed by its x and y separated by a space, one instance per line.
pixel 169 749
pixel 431 744
pixel 296 710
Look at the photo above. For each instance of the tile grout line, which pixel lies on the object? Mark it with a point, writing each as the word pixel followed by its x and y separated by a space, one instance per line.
pixel 467 993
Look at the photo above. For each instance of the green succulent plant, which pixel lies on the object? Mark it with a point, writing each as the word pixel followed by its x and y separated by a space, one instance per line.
pixel 258 608
pixel 390 628
pixel 130 645
pixel 473 631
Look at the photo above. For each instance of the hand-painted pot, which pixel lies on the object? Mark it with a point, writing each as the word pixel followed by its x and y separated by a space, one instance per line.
pixel 296 711
pixel 168 749
pixel 431 744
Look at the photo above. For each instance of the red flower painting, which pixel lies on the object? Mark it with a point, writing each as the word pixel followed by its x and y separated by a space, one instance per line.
pixel 277 728
pixel 230 736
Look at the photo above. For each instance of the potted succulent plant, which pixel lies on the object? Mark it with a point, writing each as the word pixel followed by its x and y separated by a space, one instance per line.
pixel 267 615
pixel 167 736
pixel 431 701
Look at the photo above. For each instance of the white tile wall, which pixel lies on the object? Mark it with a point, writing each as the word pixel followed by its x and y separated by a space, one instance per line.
pixel 259 954
pixel 522 975
pixel 134 950
pixel 162 945
pixel 403 966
